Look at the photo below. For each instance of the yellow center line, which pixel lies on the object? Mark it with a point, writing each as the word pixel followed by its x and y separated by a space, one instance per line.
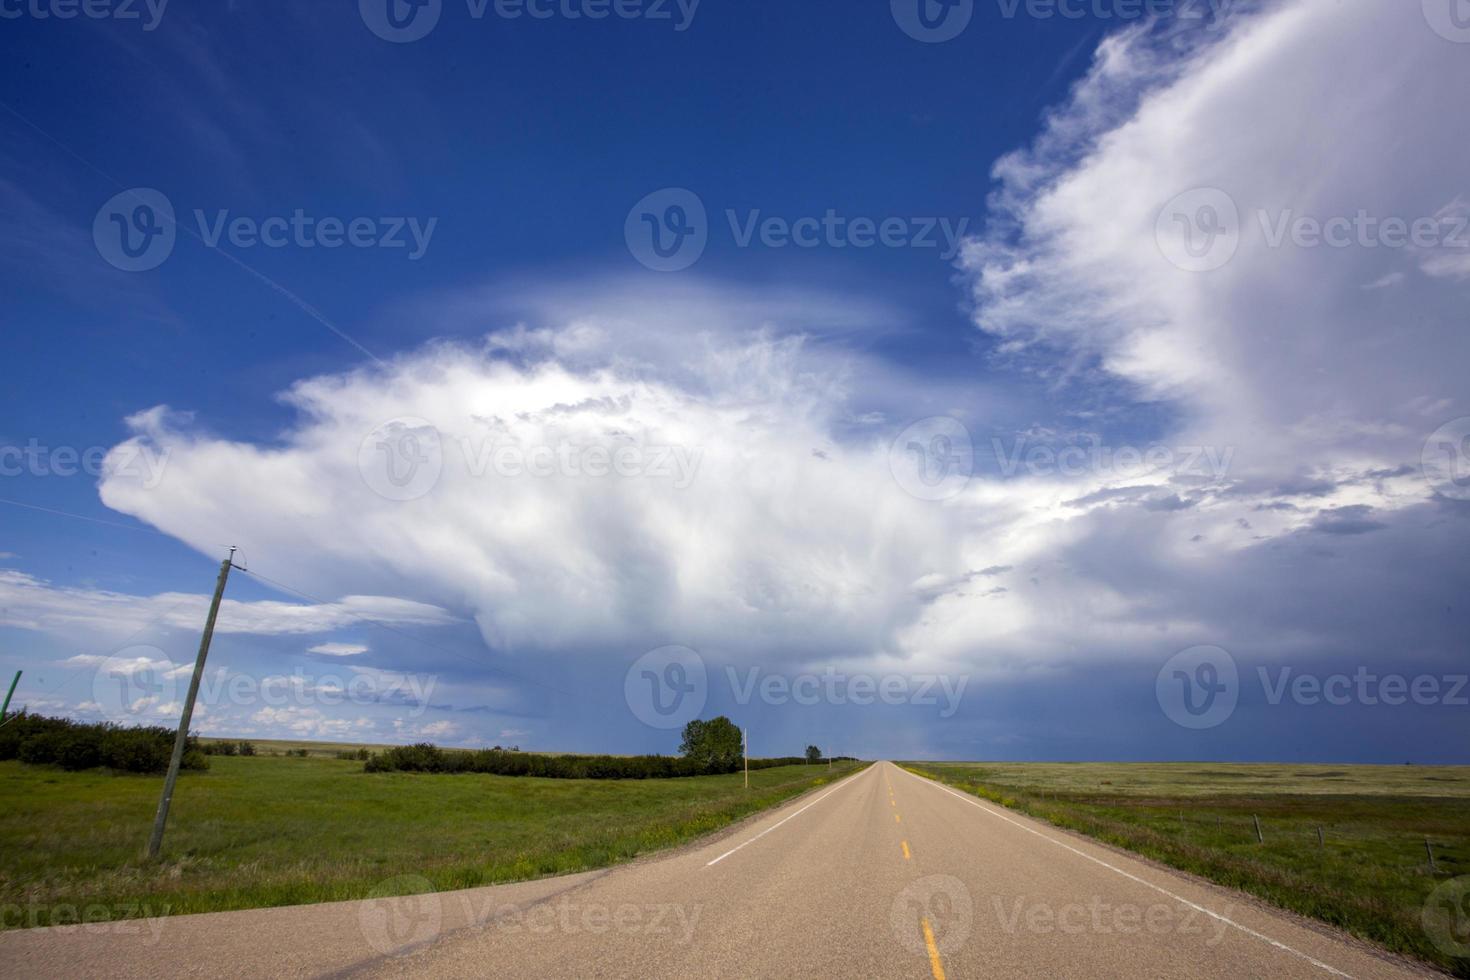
pixel 934 962
pixel 895 819
pixel 906 854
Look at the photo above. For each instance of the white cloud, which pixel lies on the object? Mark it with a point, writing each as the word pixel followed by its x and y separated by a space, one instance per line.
pixel 32 603
pixel 338 649
pixel 769 545
pixel 1278 351
pixel 795 543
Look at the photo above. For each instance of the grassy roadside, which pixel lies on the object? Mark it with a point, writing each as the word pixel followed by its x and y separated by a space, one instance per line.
pixel 262 831
pixel 1370 876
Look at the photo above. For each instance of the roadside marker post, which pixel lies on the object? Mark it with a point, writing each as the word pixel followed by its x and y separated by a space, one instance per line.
pixel 745 738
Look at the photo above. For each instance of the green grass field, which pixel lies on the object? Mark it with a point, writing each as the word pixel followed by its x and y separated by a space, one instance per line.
pixel 1370 875
pixel 267 830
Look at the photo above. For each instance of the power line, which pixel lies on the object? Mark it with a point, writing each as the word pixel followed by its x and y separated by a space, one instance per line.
pixel 83 517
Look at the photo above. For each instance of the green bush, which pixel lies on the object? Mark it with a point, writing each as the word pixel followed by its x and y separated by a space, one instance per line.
pixel 425 757
pixel 74 745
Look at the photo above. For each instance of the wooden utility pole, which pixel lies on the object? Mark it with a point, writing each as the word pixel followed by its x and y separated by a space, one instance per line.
pixel 155 840
pixel 745 738
pixel 8 695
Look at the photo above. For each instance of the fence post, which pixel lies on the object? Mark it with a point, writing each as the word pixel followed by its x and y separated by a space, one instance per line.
pixel 1259 839
pixel 1430 851
pixel 1321 843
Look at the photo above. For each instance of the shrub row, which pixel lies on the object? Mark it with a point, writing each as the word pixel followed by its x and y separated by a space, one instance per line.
pixel 77 745
pixel 229 748
pixel 425 757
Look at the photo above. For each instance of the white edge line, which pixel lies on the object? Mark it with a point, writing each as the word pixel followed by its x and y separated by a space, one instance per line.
pixel 1163 891
pixel 782 820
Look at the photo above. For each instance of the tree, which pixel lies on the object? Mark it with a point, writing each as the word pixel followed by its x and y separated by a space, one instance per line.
pixel 715 744
pixel 813 754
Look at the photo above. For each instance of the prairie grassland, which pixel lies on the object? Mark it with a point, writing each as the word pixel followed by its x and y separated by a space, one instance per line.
pixel 278 830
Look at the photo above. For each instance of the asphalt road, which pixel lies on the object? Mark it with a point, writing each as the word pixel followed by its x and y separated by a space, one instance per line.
pixel 883 874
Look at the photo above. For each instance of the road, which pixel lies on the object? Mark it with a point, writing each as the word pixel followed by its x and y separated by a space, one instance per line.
pixel 882 874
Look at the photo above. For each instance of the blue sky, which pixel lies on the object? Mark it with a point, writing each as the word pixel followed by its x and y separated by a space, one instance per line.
pixel 1264 429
